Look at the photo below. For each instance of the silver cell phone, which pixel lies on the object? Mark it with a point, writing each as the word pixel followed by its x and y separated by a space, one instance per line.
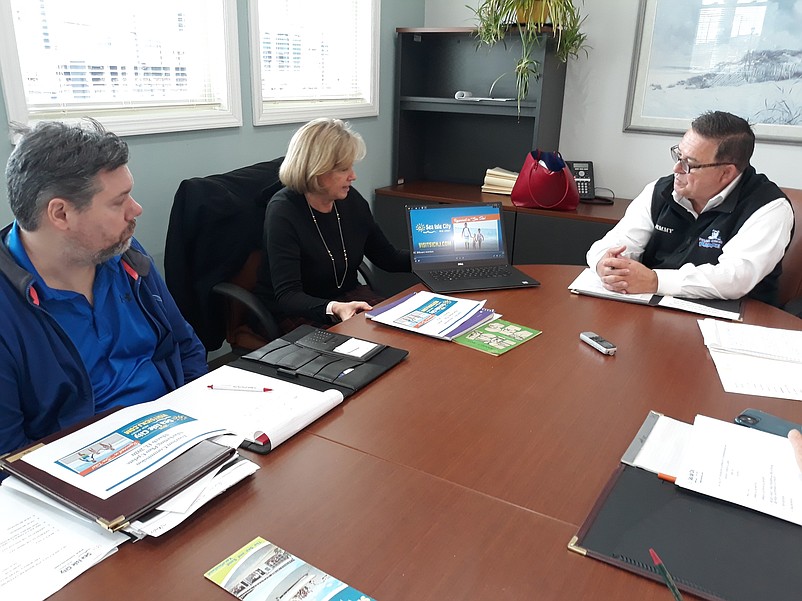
pixel 600 344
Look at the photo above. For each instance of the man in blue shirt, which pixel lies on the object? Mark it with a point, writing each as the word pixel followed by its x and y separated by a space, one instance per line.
pixel 86 321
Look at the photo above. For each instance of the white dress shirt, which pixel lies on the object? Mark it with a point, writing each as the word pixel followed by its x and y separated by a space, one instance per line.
pixel 745 260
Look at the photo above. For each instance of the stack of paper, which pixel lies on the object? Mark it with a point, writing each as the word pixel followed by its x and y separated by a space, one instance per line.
pixel 744 466
pixel 590 284
pixel 499 181
pixel 724 460
pixel 754 359
pixel 436 315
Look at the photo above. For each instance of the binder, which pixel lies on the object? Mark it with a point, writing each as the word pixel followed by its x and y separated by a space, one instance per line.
pixel 713 549
pixel 131 503
pixel 284 359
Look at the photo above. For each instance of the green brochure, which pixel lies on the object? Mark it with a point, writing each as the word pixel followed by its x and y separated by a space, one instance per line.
pixel 496 337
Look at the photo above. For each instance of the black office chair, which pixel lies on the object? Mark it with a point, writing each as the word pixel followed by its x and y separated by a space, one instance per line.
pixel 214 251
pixel 214 241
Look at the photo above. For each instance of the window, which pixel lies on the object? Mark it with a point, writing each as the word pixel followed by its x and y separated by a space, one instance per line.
pixel 138 67
pixel 314 58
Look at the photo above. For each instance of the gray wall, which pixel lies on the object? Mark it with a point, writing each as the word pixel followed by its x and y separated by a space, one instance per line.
pixel 159 162
pixel 595 100
pixel 593 115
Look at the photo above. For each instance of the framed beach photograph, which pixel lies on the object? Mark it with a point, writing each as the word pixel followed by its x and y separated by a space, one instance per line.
pixel 741 56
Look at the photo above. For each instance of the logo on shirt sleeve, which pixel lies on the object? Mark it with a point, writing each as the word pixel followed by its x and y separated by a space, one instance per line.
pixel 712 241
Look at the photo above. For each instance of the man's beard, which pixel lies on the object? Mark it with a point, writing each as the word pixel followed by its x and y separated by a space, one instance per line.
pixel 114 250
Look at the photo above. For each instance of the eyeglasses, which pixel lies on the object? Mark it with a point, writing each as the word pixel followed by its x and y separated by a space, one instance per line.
pixel 686 166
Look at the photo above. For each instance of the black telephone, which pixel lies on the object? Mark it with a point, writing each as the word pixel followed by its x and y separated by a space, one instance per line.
pixel 583 174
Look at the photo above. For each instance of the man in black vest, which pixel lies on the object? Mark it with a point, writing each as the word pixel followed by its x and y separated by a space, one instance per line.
pixel 713 229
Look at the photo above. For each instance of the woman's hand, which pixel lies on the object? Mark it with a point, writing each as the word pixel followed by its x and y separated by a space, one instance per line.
pixel 345 311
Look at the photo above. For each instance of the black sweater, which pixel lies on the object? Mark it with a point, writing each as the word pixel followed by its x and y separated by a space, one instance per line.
pixel 298 278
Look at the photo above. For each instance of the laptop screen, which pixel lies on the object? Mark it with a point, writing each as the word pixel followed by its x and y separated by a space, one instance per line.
pixel 447 233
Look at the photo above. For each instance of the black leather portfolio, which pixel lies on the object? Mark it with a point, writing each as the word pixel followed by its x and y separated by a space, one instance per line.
pixel 713 549
pixel 323 360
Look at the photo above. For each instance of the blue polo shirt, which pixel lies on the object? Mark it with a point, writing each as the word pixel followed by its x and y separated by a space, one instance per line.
pixel 114 338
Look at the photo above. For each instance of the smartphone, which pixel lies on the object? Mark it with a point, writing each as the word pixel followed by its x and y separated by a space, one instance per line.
pixel 760 420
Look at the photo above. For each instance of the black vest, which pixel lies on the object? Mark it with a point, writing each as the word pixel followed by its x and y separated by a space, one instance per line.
pixel 679 239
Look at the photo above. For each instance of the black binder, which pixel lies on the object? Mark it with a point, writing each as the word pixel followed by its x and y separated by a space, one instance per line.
pixel 324 369
pixel 713 549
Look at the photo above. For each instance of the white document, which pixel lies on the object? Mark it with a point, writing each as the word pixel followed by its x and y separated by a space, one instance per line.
pixel 430 313
pixel 588 282
pixel 43 548
pixel 672 302
pixel 664 448
pixel 743 357
pixel 743 374
pixel 113 453
pixel 745 466
pixel 758 341
pixel 179 507
pixel 276 414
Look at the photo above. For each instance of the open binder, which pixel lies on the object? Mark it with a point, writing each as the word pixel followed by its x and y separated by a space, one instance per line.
pixel 297 358
pixel 131 503
pixel 714 549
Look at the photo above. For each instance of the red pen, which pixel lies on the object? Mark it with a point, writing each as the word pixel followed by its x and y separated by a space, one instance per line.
pixel 661 567
pixel 238 388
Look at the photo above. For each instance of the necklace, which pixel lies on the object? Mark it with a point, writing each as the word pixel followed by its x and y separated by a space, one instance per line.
pixel 342 241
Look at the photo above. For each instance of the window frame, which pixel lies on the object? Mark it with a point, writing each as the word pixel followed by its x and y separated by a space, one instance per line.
pixel 133 120
pixel 273 113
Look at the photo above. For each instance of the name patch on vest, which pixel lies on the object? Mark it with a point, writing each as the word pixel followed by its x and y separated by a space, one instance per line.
pixel 664 229
pixel 712 241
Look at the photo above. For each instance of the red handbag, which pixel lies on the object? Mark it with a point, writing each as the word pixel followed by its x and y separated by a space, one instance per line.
pixel 545 182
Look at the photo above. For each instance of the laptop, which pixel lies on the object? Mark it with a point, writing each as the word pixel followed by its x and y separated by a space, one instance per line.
pixel 461 247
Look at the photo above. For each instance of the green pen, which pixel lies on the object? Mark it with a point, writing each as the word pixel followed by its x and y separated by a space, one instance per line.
pixel 666 575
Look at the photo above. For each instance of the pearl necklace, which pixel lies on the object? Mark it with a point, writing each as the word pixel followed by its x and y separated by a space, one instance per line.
pixel 342 240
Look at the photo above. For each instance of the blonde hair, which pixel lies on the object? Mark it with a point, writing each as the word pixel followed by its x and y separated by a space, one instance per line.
pixel 316 148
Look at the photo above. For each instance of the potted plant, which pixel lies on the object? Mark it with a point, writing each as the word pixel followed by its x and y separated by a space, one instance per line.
pixel 531 19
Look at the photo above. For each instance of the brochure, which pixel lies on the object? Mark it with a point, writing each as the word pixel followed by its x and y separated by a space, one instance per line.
pixel 496 337
pixel 260 571
pixel 433 314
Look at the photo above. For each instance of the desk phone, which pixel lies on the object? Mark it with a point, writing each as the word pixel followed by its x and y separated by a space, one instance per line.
pixel 583 174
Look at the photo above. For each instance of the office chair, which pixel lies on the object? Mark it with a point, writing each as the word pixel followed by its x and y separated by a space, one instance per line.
pixel 212 253
pixel 790 281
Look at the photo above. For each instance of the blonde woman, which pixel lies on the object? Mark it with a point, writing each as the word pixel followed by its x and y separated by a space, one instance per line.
pixel 318 228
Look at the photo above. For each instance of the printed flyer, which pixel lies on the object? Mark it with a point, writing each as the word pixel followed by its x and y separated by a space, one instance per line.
pixel 496 337
pixel 261 571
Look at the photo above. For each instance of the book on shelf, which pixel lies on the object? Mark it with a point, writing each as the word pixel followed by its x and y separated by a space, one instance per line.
pixel 436 315
pixel 260 570
pixel 499 181
pixel 496 337
pixel 588 283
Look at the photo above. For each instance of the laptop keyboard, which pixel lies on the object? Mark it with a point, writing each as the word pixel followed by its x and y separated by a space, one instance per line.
pixel 470 273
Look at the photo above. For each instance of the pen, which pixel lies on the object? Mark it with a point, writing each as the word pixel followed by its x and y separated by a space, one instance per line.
pixel 238 388
pixel 666 576
pixel 345 372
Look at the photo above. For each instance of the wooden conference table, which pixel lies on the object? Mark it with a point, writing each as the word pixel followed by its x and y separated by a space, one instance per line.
pixel 458 475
